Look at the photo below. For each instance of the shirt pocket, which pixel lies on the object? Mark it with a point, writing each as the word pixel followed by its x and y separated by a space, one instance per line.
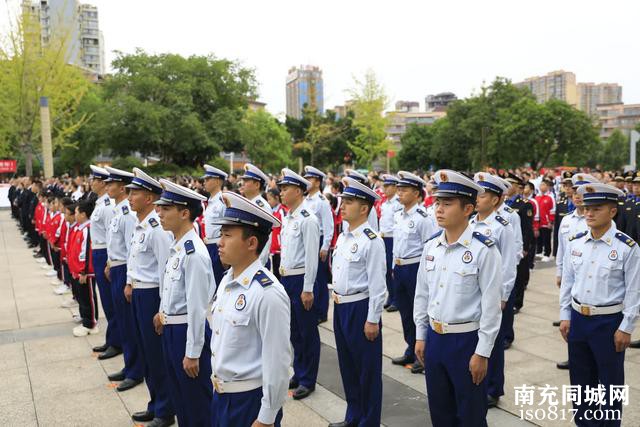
pixel 610 272
pixel 114 225
pixel 577 263
pixel 466 279
pixel 237 331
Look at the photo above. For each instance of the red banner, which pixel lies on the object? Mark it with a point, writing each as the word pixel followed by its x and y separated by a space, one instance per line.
pixel 8 166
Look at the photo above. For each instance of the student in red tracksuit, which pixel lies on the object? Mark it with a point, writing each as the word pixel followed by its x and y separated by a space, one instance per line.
pixel 57 218
pixel 69 212
pixel 279 211
pixel 80 265
pixel 546 212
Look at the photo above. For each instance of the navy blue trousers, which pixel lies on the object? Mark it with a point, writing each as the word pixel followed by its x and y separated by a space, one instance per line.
pixel 238 409
pixel 305 337
pixel 360 363
pixel 454 400
pixel 405 287
pixel 507 318
pixel 388 248
pixel 218 269
pixel 191 397
pixel 113 334
pixel 133 363
pixel 146 303
pixel 495 373
pixel 593 360
pixel 320 290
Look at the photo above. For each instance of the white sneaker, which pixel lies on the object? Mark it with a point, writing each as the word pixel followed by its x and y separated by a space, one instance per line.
pixel 69 304
pixel 45 267
pixel 81 331
pixel 61 290
pixel 545 259
pixel 40 260
pixel 538 256
pixel 55 282
pixel 51 273
pixel 77 318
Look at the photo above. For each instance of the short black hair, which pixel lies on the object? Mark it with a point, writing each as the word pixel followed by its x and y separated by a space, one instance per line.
pixel 86 207
pixel 530 185
pixel 194 210
pixel 66 201
pixel 71 207
pixel 262 236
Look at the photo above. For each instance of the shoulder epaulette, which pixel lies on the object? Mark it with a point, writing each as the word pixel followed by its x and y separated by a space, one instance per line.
pixel 260 203
pixel 508 209
pixel 502 220
pixel 484 239
pixel 125 210
pixel 321 197
pixel 625 239
pixel 107 201
pixel 370 234
pixel 262 278
pixel 304 213
pixel 153 222
pixel 579 235
pixel 188 247
pixel 421 212
pixel 436 234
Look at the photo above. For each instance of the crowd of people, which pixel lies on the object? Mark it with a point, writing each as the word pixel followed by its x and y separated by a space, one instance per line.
pixel 213 287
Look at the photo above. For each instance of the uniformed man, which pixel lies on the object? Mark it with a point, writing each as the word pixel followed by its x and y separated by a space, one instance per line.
pixel 119 235
pixel 412 228
pixel 300 237
pixel 633 230
pixel 373 216
pixel 100 221
pixel 254 181
pixel 514 219
pixel 358 295
pixel 599 299
pixel 320 207
pixel 250 350
pixel 213 181
pixel 388 210
pixel 489 223
pixel 564 206
pixel 457 307
pixel 186 288
pixel 145 265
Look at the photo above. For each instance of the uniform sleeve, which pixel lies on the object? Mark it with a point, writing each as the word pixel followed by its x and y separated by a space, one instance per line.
pixel 327 224
pixel 266 251
pixel 509 260
pixel 560 252
pixel 197 281
pixel 631 302
pixel 273 324
pixel 311 241
pixel 376 278
pixel 129 226
pixel 568 279
pixel 161 242
pixel 517 232
pixel 373 220
pixel 489 278
pixel 421 299
pixel 426 229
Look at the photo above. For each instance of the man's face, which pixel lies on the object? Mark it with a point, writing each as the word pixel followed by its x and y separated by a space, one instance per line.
pixel 619 185
pixel 250 187
pixel 636 188
pixel 233 248
pixel 97 185
pixel 598 216
pixel 351 209
pixel 211 184
pixel 567 188
pixel 407 195
pixel 450 212
pixel 170 217
pixel 544 187
pixel 289 194
pixel 526 191
pixel 315 183
pixel 139 199
pixel 576 198
pixel 114 189
pixel 486 202
pixel 69 216
pixel 389 190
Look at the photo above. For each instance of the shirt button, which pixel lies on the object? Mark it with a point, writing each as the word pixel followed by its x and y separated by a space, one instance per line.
pixel 589 276
pixel 213 354
pixel 588 291
pixel 219 308
pixel 217 332
pixel 444 268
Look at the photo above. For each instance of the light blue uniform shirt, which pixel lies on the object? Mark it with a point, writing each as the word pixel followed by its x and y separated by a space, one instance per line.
pixel 100 220
pixel 149 250
pixel 300 240
pixel 250 340
pixel 266 251
pixel 359 266
pixel 120 231
pixel 570 225
pixel 514 219
pixel 412 228
pixel 460 283
pixel 500 231
pixel 215 210
pixel 187 287
pixel 318 205
pixel 388 209
pixel 602 272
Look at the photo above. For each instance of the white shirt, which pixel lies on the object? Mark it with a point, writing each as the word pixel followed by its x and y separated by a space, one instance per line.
pixel 100 220
pixel 250 320
pixel 388 209
pixel 512 216
pixel 300 237
pixel 262 204
pixel 412 228
pixel 149 250
pixel 215 210
pixel 318 205
pixel 570 225
pixel 121 228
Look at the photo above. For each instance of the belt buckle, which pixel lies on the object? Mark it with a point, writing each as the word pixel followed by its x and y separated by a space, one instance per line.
pixel 437 327
pixel 398 261
pixel 217 386
pixel 281 270
pixel 336 298
pixel 585 311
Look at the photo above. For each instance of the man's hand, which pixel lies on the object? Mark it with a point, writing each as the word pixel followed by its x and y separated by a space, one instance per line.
pixel 503 304
pixel 558 281
pixel 307 300
pixel 323 255
pixel 565 325
pixel 478 367
pixel 128 291
pixel 419 351
pixel 621 340
pixel 257 423
pixel 107 271
pixel 371 330
pixel 191 366
pixel 157 323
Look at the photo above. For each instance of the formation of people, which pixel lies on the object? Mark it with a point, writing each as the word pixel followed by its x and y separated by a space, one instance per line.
pixel 214 292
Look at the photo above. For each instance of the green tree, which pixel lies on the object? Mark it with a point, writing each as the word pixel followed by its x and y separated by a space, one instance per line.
pixel 266 141
pixel 416 147
pixel 615 151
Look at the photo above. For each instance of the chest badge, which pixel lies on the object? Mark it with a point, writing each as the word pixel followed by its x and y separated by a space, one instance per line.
pixel 429 257
pixel 241 302
pixel 175 264
pixel 613 255
pixel 142 238
pixel 487 232
pixel 354 248
pixel 411 224
pixel 577 253
pixel 467 257
pixel 295 226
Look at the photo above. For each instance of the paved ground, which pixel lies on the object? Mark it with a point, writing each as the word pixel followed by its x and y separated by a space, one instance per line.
pixel 50 378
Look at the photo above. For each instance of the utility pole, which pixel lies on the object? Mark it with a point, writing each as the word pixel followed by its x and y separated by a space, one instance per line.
pixel 45 132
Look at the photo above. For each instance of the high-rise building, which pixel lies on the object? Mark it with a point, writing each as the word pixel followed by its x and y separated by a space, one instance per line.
pixel 439 102
pixel 624 117
pixel 407 113
pixel 590 95
pixel 407 106
pixel 304 88
pixel 554 85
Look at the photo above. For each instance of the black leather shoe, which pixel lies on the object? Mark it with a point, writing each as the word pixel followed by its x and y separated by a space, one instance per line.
pixel 556 323
pixel 506 345
pixel 343 424
pixel 322 320
pixel 402 360
pixel 100 349
pixel 516 310
pixel 563 365
pixel 117 376
pixel 162 422
pixel 392 308
pixel 293 384
pixel 109 353
pixel 128 384
pixel 301 392
pixel 385 306
pixel 142 416
pixel 492 402
pixel 635 344
pixel 417 368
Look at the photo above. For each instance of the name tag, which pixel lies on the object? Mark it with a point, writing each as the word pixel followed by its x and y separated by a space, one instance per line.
pixel 576 253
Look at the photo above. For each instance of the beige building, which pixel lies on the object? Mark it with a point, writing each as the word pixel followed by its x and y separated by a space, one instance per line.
pixel 554 85
pixel 618 116
pixel 406 114
pixel 590 95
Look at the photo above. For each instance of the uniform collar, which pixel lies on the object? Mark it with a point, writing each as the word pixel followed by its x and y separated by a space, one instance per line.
pixel 216 196
pixel 358 231
pixel 488 220
pixel 606 237
pixel 125 200
pixel 314 195
pixel 464 239
pixel 296 212
pixel 178 246
pixel 246 277
pixel 412 210
pixel 145 221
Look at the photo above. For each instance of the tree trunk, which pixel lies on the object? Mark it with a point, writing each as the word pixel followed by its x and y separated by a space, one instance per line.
pixel 28 161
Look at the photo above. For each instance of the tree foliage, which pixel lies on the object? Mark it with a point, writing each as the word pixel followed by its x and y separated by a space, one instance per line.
pixel 265 141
